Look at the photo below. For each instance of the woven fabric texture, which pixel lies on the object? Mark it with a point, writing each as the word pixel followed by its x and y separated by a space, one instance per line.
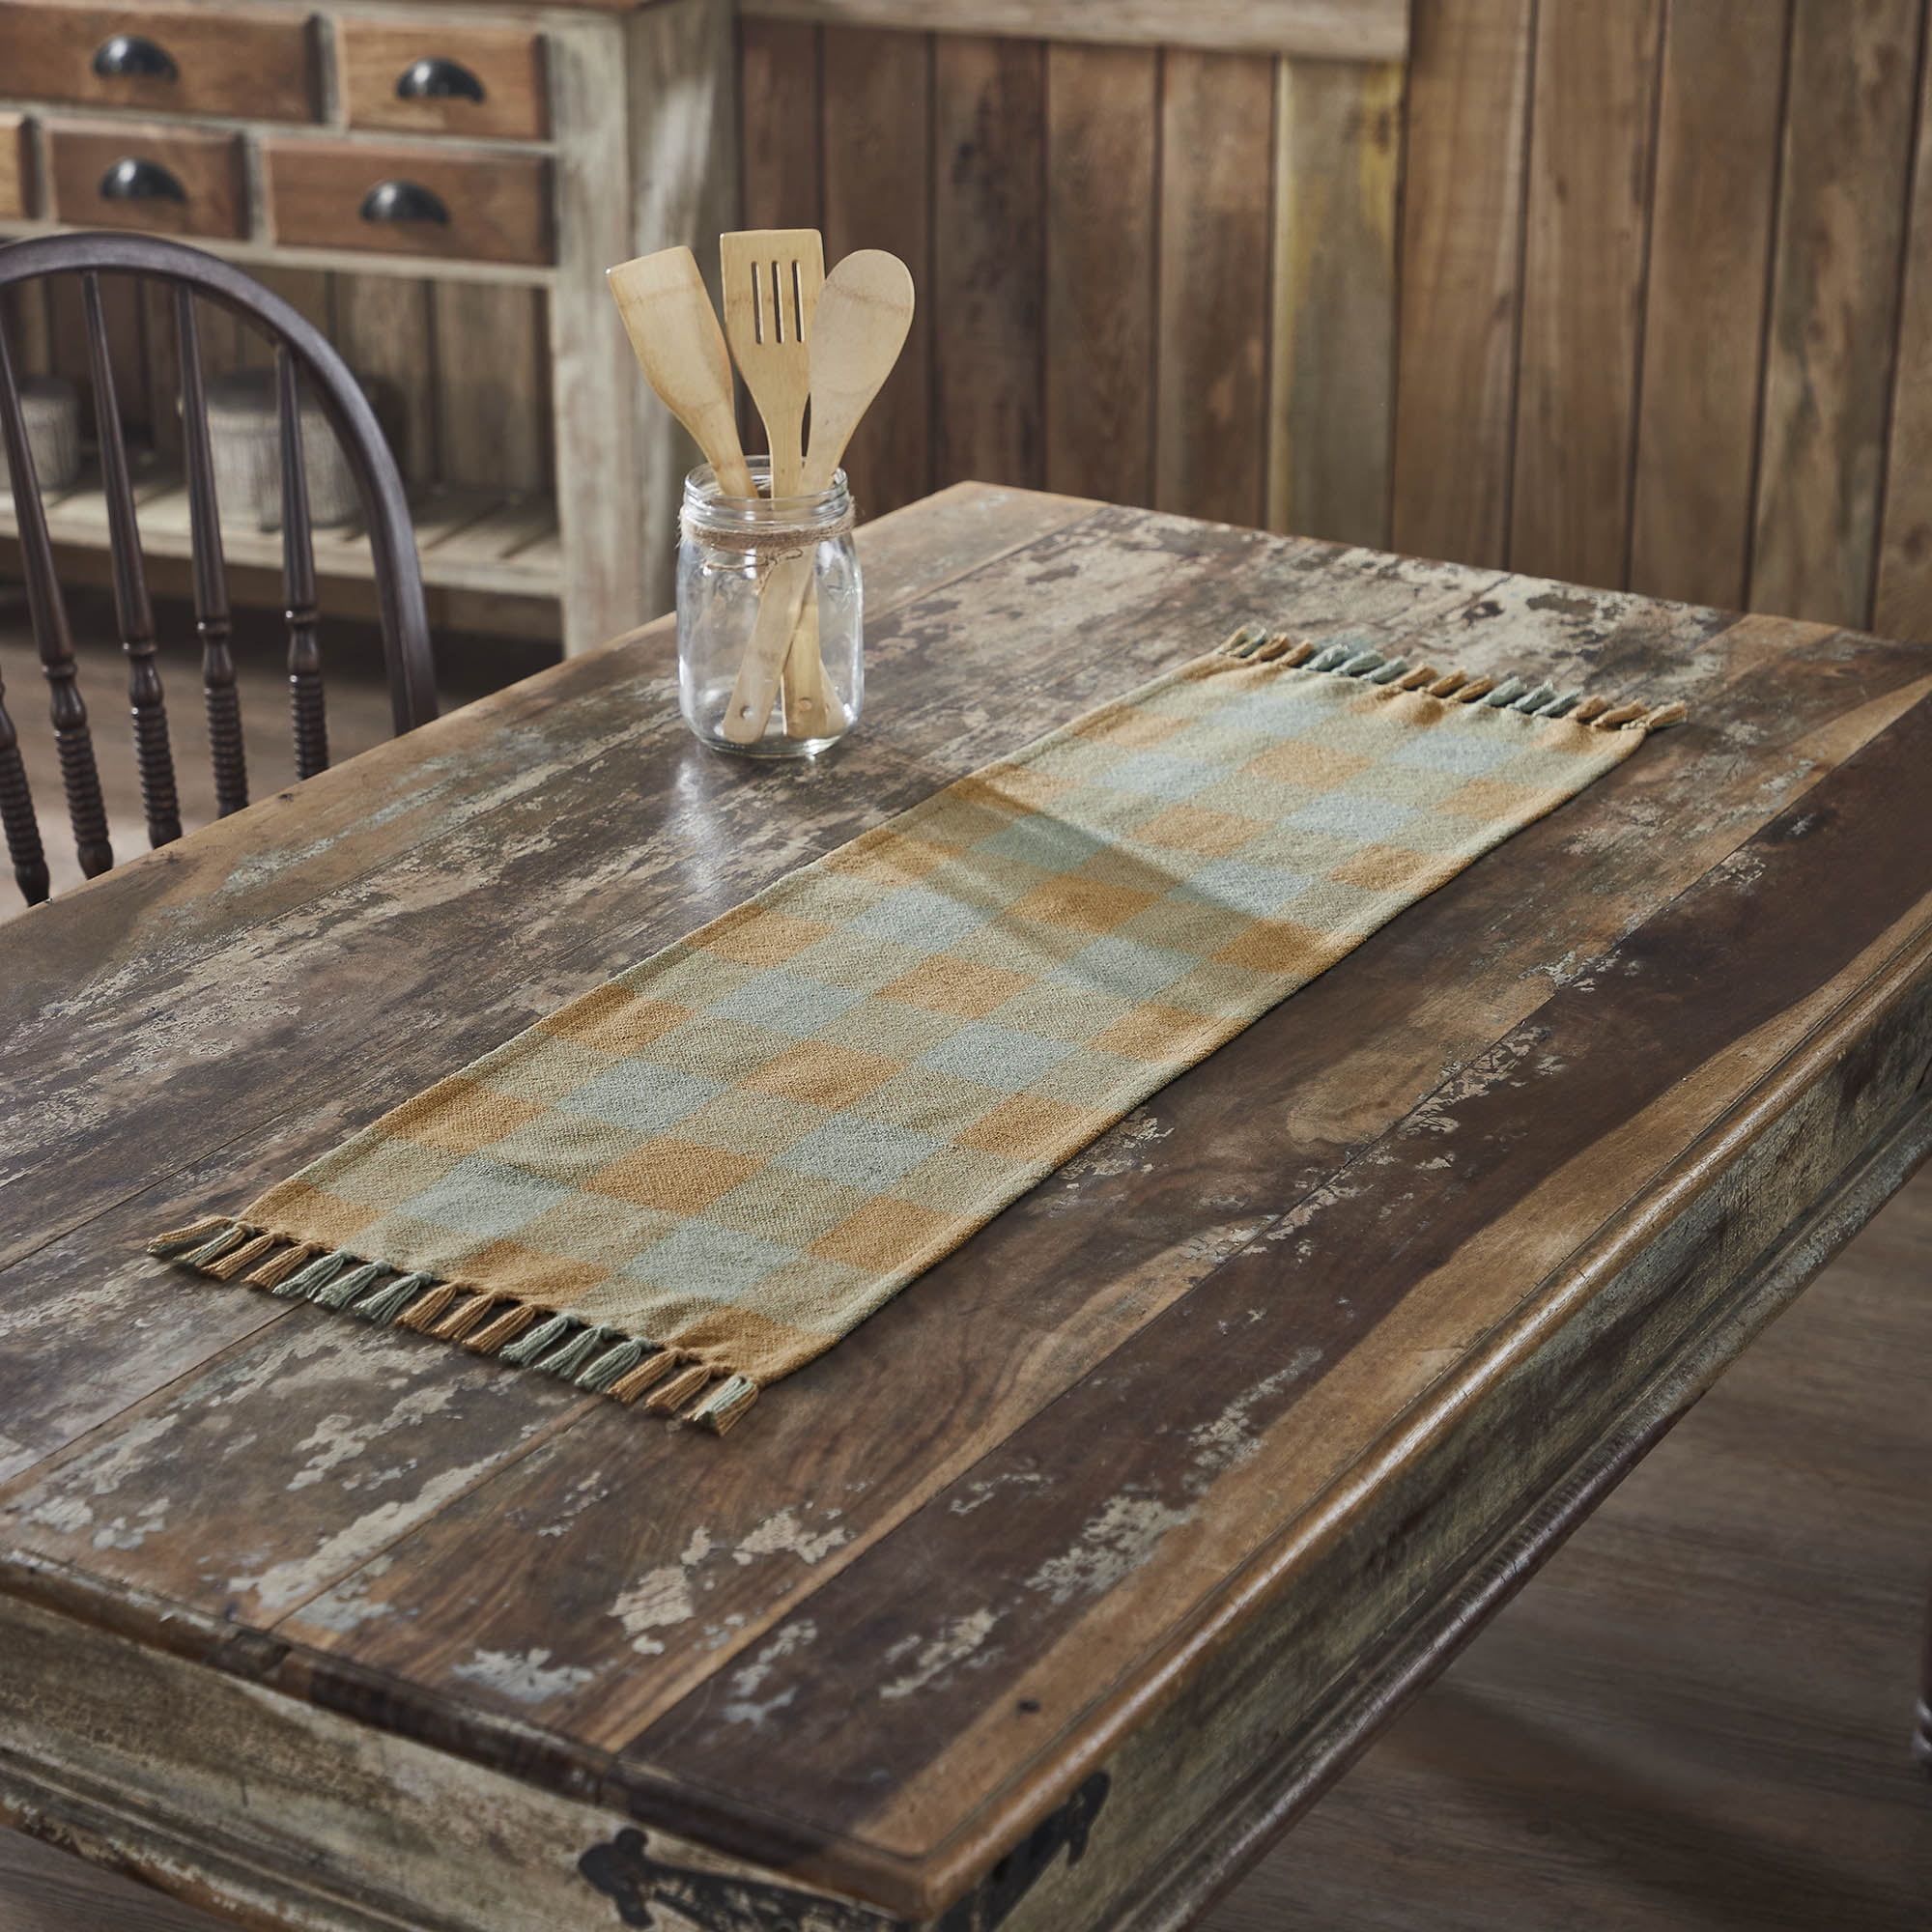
pixel 689 1182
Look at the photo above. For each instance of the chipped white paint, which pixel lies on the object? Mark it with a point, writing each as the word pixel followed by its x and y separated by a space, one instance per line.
pixel 121 1534
pixel 294 1580
pixel 748 1678
pixel 984 1488
pixel 68 1515
pixel 659 1599
pixel 1230 1439
pixel 784 1535
pixel 960 1643
pixel 1110 1547
pixel 349 1606
pixel 527 1677
pixel 338 1438
pixel 584 1493
pixel 668 1595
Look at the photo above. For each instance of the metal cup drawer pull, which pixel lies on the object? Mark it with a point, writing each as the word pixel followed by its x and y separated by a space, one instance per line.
pixel 403 201
pixel 438 79
pixel 132 178
pixel 131 57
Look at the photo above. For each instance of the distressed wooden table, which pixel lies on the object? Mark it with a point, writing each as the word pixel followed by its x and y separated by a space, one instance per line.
pixel 1042 1600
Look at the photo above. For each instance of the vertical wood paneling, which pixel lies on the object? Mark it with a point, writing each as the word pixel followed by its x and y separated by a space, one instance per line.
pixel 1102 104
pixel 1592 128
pixel 1903 604
pixel 778 131
pixel 1332 389
pixel 493 410
pixel 1835 305
pixel 1217 156
pixel 1711 225
pixel 989 130
pixel 1467 122
pixel 383 327
pixel 878 159
pixel 780 157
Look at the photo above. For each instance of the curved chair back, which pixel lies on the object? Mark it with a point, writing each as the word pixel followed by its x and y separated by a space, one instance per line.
pixel 303 355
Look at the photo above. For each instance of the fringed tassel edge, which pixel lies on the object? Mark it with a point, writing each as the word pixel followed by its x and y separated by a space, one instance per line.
pixel 1253 644
pixel 669 1382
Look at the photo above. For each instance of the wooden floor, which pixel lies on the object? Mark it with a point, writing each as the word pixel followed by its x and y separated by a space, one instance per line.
pixel 1693 1721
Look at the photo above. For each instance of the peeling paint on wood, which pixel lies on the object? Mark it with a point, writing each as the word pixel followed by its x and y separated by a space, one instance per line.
pixel 1113 1491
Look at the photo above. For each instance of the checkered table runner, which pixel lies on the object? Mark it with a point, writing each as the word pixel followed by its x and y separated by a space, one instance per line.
pixel 687 1184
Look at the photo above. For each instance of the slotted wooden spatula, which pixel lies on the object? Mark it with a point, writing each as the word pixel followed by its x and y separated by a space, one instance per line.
pixel 772 281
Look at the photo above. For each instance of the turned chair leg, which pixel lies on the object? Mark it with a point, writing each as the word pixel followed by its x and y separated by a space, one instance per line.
pixel 1922 1728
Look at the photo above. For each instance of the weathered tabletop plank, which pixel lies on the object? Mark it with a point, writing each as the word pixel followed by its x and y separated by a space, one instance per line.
pixel 1139 1481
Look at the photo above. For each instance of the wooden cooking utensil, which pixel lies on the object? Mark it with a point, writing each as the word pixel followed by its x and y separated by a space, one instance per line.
pixel 771 282
pixel 673 328
pixel 864 314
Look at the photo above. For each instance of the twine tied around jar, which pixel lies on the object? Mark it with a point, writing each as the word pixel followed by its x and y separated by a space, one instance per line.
pixel 768 545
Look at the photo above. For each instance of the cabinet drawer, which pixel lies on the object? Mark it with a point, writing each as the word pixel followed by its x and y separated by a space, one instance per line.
pixel 171 180
pixel 409 201
pixel 432 78
pixel 13 168
pixel 260 67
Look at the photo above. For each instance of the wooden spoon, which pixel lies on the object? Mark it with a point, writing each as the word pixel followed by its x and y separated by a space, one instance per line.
pixel 864 312
pixel 673 328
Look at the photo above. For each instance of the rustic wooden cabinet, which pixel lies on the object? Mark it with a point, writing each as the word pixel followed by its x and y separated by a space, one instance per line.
pixel 442 187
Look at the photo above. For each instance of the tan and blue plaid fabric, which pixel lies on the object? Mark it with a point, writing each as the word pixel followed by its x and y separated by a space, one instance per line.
pixel 689 1182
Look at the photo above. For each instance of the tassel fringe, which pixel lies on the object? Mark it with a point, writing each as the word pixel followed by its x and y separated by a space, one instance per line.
pixel 1394 677
pixel 585 1355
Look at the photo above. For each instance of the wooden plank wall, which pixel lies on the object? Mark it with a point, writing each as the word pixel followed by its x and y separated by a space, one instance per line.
pixel 1633 292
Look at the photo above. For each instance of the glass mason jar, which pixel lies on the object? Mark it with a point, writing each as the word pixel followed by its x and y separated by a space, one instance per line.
pixel 770 643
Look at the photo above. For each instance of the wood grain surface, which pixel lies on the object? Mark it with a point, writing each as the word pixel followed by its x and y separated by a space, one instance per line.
pixel 1461 278
pixel 257 61
pixel 1639 1742
pixel 987 293
pixel 1102 195
pixel 206 167
pixel 498 205
pixel 1153 1471
pixel 506 64
pixel 1217 149
pixel 1346 30
pixel 1332 390
pixel 878 87
pixel 1523 297
pixel 1582 304
pixel 1703 345
pixel 17 179
pixel 1841 226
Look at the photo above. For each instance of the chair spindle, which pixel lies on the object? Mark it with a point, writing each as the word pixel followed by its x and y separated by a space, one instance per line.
pixel 81 778
pixel 16 815
pixel 306 704
pixel 210 577
pixel 153 755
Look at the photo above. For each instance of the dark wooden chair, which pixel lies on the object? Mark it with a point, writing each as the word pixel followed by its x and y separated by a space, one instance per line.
pixel 302 355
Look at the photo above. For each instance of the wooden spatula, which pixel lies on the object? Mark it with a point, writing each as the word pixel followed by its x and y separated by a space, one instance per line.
pixel 864 315
pixel 673 328
pixel 771 282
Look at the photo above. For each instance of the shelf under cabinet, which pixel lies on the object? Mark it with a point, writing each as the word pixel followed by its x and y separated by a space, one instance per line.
pixel 469 539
